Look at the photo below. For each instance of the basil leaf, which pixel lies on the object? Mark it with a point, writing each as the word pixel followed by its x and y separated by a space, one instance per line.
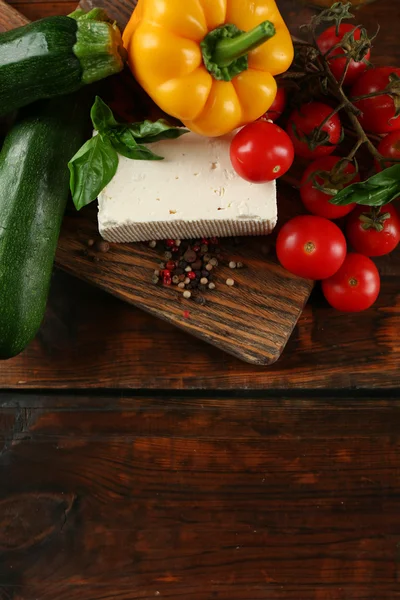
pixel 149 132
pixel 124 142
pixel 102 116
pixel 91 169
pixel 378 190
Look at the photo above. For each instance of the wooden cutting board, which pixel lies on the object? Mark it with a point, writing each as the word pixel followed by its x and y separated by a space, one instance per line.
pixel 252 320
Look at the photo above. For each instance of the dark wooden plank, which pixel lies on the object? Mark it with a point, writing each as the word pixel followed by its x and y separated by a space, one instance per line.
pixel 184 498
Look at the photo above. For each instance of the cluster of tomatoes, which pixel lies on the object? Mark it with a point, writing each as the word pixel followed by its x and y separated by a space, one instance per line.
pixel 313 246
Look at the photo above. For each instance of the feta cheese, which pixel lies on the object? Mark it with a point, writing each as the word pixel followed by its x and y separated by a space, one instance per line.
pixel 193 192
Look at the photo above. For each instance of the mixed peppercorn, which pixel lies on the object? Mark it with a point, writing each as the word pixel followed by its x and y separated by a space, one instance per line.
pixel 190 265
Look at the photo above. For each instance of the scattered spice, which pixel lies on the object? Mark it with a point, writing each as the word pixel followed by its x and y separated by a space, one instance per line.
pixel 186 315
pixel 239 265
pixel 170 265
pixel 190 256
pixel 189 265
pixel 152 244
pixel 90 243
pixel 102 246
pixel 196 266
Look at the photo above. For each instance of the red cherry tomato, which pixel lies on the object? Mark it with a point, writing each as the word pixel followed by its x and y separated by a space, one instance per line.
pixel 316 201
pixel 303 126
pixel 378 112
pixel 261 152
pixel 374 233
pixel 278 105
pixel 389 147
pixel 355 286
pixel 311 247
pixel 337 57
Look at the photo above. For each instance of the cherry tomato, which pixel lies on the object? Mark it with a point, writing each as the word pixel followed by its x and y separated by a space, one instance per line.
pixel 355 286
pixel 311 247
pixel 278 105
pixel 389 147
pixel 378 112
pixel 337 57
pixel 316 201
pixel 261 152
pixel 373 232
pixel 303 127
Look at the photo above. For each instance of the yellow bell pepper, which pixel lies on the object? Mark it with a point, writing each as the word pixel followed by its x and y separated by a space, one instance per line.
pixel 209 63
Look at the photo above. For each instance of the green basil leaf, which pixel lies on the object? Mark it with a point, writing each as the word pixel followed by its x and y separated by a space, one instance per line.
pixel 149 132
pixel 125 143
pixel 91 169
pixel 380 189
pixel 102 116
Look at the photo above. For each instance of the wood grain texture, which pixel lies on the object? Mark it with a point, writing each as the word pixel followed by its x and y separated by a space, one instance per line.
pixel 252 321
pixel 91 340
pixel 10 18
pixel 182 498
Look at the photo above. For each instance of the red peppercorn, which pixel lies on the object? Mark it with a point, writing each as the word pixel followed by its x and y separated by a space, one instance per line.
pixel 214 241
pixel 165 273
pixel 167 280
pixel 170 265
pixel 174 249
pixel 204 240
pixel 191 275
pixel 170 243
pixel 196 248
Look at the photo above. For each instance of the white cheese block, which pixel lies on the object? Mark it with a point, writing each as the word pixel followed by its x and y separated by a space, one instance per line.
pixel 193 192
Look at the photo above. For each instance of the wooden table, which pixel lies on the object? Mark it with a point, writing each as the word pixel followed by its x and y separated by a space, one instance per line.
pixel 137 462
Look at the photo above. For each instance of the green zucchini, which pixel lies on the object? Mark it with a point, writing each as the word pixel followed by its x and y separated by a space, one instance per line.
pixel 56 56
pixel 34 186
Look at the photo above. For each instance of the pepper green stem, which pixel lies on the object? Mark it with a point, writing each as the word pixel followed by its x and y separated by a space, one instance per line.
pixel 98 48
pixel 228 50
